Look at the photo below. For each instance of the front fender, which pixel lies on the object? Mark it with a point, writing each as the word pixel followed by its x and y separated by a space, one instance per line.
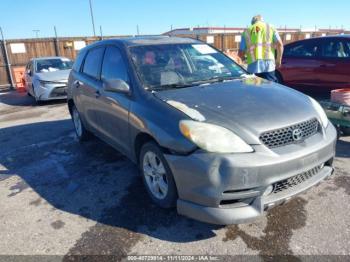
pixel 160 121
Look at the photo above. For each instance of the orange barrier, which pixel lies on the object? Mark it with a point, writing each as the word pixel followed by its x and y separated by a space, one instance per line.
pixel 341 96
pixel 18 73
pixel 234 56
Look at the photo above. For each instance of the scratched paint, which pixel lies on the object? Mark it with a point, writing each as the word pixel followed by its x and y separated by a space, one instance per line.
pixel 191 112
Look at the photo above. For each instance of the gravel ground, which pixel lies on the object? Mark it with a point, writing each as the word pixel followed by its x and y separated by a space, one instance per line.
pixel 62 198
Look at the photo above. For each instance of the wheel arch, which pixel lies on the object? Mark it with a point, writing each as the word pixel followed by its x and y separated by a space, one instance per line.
pixel 141 139
pixel 70 103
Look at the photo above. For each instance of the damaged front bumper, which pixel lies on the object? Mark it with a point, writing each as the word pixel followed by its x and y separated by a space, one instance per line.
pixel 237 188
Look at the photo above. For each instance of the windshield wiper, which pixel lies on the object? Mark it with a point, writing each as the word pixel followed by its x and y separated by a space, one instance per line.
pixel 195 83
pixel 215 79
pixel 171 86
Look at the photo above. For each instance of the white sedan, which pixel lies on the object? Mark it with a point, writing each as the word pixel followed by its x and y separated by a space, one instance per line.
pixel 46 78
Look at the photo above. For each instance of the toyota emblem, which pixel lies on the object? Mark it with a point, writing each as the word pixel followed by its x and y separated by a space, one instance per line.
pixel 297 134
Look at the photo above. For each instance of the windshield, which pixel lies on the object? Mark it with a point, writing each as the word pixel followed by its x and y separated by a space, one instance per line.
pixel 54 64
pixel 180 65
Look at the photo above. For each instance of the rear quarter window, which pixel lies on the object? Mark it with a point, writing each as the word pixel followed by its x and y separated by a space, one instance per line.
pixel 335 48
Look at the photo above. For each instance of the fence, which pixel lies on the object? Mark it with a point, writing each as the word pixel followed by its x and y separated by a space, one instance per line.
pixel 224 41
pixel 22 50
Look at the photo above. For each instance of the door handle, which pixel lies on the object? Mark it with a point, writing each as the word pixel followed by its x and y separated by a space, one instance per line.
pixel 97 93
pixel 77 83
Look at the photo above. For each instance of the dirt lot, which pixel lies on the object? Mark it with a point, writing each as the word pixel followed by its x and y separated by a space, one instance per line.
pixel 58 197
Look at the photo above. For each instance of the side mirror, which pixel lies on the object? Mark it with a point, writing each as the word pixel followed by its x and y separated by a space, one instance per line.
pixel 116 86
pixel 29 72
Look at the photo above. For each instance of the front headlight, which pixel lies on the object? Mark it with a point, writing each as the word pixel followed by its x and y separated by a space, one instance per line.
pixel 320 112
pixel 213 138
pixel 44 83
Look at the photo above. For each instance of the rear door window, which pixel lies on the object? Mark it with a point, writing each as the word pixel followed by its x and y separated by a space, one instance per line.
pixel 93 61
pixel 113 65
pixel 304 49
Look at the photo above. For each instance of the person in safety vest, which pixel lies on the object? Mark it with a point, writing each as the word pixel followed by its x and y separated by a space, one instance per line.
pixel 259 43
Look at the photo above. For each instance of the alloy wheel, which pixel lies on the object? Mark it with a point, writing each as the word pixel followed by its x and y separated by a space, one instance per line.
pixel 77 123
pixel 155 175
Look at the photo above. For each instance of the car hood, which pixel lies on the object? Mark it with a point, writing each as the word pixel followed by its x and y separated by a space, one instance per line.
pixel 247 107
pixel 59 75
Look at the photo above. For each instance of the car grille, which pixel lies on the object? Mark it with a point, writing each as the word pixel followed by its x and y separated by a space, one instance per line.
pixel 295 180
pixel 59 91
pixel 284 136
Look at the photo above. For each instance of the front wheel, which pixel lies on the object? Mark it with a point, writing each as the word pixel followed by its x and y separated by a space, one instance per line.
pixel 157 176
pixel 37 99
pixel 81 132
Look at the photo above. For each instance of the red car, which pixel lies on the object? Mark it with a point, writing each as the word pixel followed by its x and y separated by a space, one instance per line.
pixel 316 65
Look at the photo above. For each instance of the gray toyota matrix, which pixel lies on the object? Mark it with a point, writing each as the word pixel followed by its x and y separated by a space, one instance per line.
pixel 221 145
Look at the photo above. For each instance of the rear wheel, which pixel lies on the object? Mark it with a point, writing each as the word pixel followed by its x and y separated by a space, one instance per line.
pixel 82 133
pixel 157 176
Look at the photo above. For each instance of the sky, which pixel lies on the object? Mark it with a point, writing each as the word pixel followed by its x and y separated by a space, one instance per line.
pixel 18 18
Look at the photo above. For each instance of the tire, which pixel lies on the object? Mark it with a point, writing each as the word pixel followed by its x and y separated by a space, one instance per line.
pixel 37 100
pixel 82 133
pixel 157 176
pixel 279 77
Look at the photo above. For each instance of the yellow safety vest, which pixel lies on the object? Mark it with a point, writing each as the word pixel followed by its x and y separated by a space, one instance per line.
pixel 259 42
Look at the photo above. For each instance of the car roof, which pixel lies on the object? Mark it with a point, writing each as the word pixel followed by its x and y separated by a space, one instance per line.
pixel 331 36
pixel 157 40
pixel 48 57
pixel 146 40
pixel 319 38
pixel 345 36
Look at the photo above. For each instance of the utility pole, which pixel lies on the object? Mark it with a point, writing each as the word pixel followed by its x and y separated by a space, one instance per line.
pixel 101 32
pixel 137 30
pixel 7 61
pixel 36 31
pixel 57 49
pixel 92 18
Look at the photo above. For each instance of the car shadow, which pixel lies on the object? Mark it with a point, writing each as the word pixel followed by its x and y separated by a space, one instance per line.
pixel 91 180
pixel 94 181
pixel 21 98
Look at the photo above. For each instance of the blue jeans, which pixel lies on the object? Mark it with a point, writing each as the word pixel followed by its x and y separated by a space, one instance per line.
pixel 268 76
